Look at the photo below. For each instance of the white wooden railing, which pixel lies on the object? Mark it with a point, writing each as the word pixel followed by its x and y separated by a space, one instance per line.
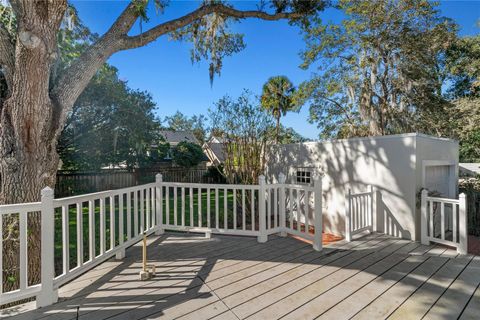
pixel 118 218
pixel 359 209
pixel 444 221
pixel 248 210
pixel 17 214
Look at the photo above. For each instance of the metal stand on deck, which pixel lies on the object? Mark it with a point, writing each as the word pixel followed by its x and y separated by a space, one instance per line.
pixel 148 270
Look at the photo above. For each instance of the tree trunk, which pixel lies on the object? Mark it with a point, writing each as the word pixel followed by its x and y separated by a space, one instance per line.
pixel 277 134
pixel 29 128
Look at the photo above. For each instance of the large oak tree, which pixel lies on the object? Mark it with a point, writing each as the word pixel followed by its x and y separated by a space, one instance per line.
pixel 39 95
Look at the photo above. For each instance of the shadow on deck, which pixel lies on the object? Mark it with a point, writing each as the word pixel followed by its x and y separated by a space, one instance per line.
pixel 229 277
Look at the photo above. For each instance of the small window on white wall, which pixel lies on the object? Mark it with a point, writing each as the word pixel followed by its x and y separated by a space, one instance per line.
pixel 303 175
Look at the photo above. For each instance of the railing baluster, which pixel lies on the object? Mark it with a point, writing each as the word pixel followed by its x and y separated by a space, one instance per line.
pixel 129 215
pixel 65 240
pixel 217 222
pixel 208 208
pixel 431 234
pixel 191 206
pixel 199 204
pixel 454 223
pixel 244 216
pixel 290 205
pixel 121 232
pixel 91 227
pixel 269 208
pixel 298 209
pixel 234 209
pixel 22 216
pixel 442 222
pixel 183 206
pixel 147 209
pixel 112 223
pixel 153 208
pixel 175 203
pixel 225 208
pixel 167 204
pixel 306 211
pixel 252 209
pixel 275 207
pixel 142 210
pixel 135 213
pixel 102 225
pixel 79 208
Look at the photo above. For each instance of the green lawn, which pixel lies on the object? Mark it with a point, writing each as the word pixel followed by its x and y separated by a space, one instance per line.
pixel 72 214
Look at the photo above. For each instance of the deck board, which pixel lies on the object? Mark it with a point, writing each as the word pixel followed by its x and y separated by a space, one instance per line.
pixel 373 277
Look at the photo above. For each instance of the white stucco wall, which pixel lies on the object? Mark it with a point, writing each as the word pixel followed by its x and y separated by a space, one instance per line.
pixel 389 163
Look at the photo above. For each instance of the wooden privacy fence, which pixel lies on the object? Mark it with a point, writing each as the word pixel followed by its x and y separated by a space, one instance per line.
pixel 359 212
pixel 444 221
pixel 79 232
pixel 76 183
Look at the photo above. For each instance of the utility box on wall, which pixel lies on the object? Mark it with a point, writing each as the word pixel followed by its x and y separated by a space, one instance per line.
pixel 397 166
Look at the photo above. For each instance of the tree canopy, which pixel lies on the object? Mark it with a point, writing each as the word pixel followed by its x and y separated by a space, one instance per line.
pixel 277 99
pixel 187 154
pixel 378 69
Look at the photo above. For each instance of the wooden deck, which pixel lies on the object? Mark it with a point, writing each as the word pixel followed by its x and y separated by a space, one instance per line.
pixel 227 277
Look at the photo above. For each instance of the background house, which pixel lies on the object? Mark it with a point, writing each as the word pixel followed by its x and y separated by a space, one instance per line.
pixel 214 150
pixel 469 169
pixel 398 166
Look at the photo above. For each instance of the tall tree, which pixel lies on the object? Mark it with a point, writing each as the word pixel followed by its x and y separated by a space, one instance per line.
pixel 277 99
pixel 246 131
pixel 39 95
pixel 463 67
pixel 378 70
pixel 110 125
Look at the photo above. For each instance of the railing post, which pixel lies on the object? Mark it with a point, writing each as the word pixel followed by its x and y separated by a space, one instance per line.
pixel 423 217
pixel 348 222
pixel 159 204
pixel 281 180
pixel 462 225
pixel 317 211
pixel 262 237
pixel 47 295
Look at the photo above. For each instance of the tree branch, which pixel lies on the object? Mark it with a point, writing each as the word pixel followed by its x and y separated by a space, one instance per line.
pixel 75 78
pixel 146 37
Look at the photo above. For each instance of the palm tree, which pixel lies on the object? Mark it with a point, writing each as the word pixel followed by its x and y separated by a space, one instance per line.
pixel 277 99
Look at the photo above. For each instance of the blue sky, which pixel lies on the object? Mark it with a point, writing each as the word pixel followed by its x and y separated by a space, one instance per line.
pixel 164 69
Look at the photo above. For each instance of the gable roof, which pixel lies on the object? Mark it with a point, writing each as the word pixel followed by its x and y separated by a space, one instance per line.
pixel 215 152
pixel 175 137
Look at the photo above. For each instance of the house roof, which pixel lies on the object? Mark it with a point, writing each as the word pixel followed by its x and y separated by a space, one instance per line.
pixel 215 152
pixel 174 137
pixel 469 169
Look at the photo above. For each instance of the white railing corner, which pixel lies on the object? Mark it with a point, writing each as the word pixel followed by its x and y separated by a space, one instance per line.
pixel 262 237
pixel 462 224
pixel 423 218
pixel 281 180
pixel 317 194
pixel 159 204
pixel 47 295
pixel 348 229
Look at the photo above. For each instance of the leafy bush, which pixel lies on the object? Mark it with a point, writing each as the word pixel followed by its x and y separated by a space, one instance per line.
pixel 187 154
